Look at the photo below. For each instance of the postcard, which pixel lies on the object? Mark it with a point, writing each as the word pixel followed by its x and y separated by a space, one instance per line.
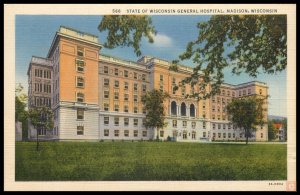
pixel 150 97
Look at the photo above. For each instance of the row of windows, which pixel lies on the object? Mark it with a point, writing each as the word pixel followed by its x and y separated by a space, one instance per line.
pixel 213 116
pixel 39 87
pixel 184 124
pixel 125 109
pixel 126 133
pixel 126 85
pixel 126 73
pixel 219 100
pixel 182 109
pixel 41 101
pixel 220 126
pixel 126 121
pixel 42 73
pixel 117 96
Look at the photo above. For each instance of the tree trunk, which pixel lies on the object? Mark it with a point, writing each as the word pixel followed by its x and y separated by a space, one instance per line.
pixel 246 139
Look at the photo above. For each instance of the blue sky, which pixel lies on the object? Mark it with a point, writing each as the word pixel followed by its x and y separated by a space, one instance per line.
pixel 34 35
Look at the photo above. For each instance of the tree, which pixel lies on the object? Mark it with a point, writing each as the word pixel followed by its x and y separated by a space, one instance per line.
pixel 154 104
pixel 42 119
pixel 284 125
pixel 20 104
pixel 272 131
pixel 246 113
pixel 244 43
pixel 127 31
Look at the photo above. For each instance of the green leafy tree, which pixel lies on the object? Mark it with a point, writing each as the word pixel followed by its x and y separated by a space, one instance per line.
pixel 20 104
pixel 154 104
pixel 272 131
pixel 126 30
pixel 253 42
pixel 41 118
pixel 246 113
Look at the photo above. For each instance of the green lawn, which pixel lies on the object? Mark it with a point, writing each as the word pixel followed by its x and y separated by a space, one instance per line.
pixel 117 161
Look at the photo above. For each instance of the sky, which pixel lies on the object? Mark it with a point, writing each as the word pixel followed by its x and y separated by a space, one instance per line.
pixel 34 35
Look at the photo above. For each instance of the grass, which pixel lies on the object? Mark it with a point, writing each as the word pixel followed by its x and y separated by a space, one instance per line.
pixel 119 161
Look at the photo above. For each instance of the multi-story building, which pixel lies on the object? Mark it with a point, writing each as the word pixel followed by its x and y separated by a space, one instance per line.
pixel 96 96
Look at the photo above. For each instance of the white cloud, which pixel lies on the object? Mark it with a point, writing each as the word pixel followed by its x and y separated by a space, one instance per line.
pixel 161 40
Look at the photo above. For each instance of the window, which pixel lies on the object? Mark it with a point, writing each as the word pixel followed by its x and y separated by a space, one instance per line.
pixel 126 108
pixel 224 126
pixel 229 126
pixel 144 110
pixel 144 122
pixel 241 135
pixel 106 106
pixel 126 121
pixel 106 132
pixel 116 95
pixel 224 135
pixel 79 65
pixel 213 116
pixel 174 123
pixel 261 135
pixel 135 75
pixel 183 90
pixel 233 94
pixel 161 88
pixel 106 82
pixel 193 135
pixel 161 77
pixel 161 133
pixel 125 85
pixel 219 126
pixel 144 133
pixel 116 121
pixel 80 113
pixel 42 131
pixel 80 97
pixel 135 98
pixel 223 92
pixel 219 117
pixel 223 117
pixel 219 135
pixel 126 97
pixel 80 130
pixel 79 51
pixel 117 84
pixel 174 89
pixel 116 107
pixel 174 81
pixel 184 124
pixel 116 72
pixel 204 134
pixel 213 108
pixel 218 100
pixel 214 126
pixel 106 94
pixel 116 133
pixel 228 93
pixel 244 92
pixel 183 109
pixel 233 135
pixel 135 133
pixel 135 122
pixel 260 91
pixel 249 91
pixel 193 125
pixel 144 88
pixel 126 133
pixel 135 109
pixel 213 99
pixel 135 87
pixel 106 120
pixel 184 135
pixel 192 110
pixel 204 125
pixel 143 77
pixel 80 82
pixel 229 135
pixel 105 70
pixel 125 73
pixel 214 135
pixel 173 108
pixel 240 93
